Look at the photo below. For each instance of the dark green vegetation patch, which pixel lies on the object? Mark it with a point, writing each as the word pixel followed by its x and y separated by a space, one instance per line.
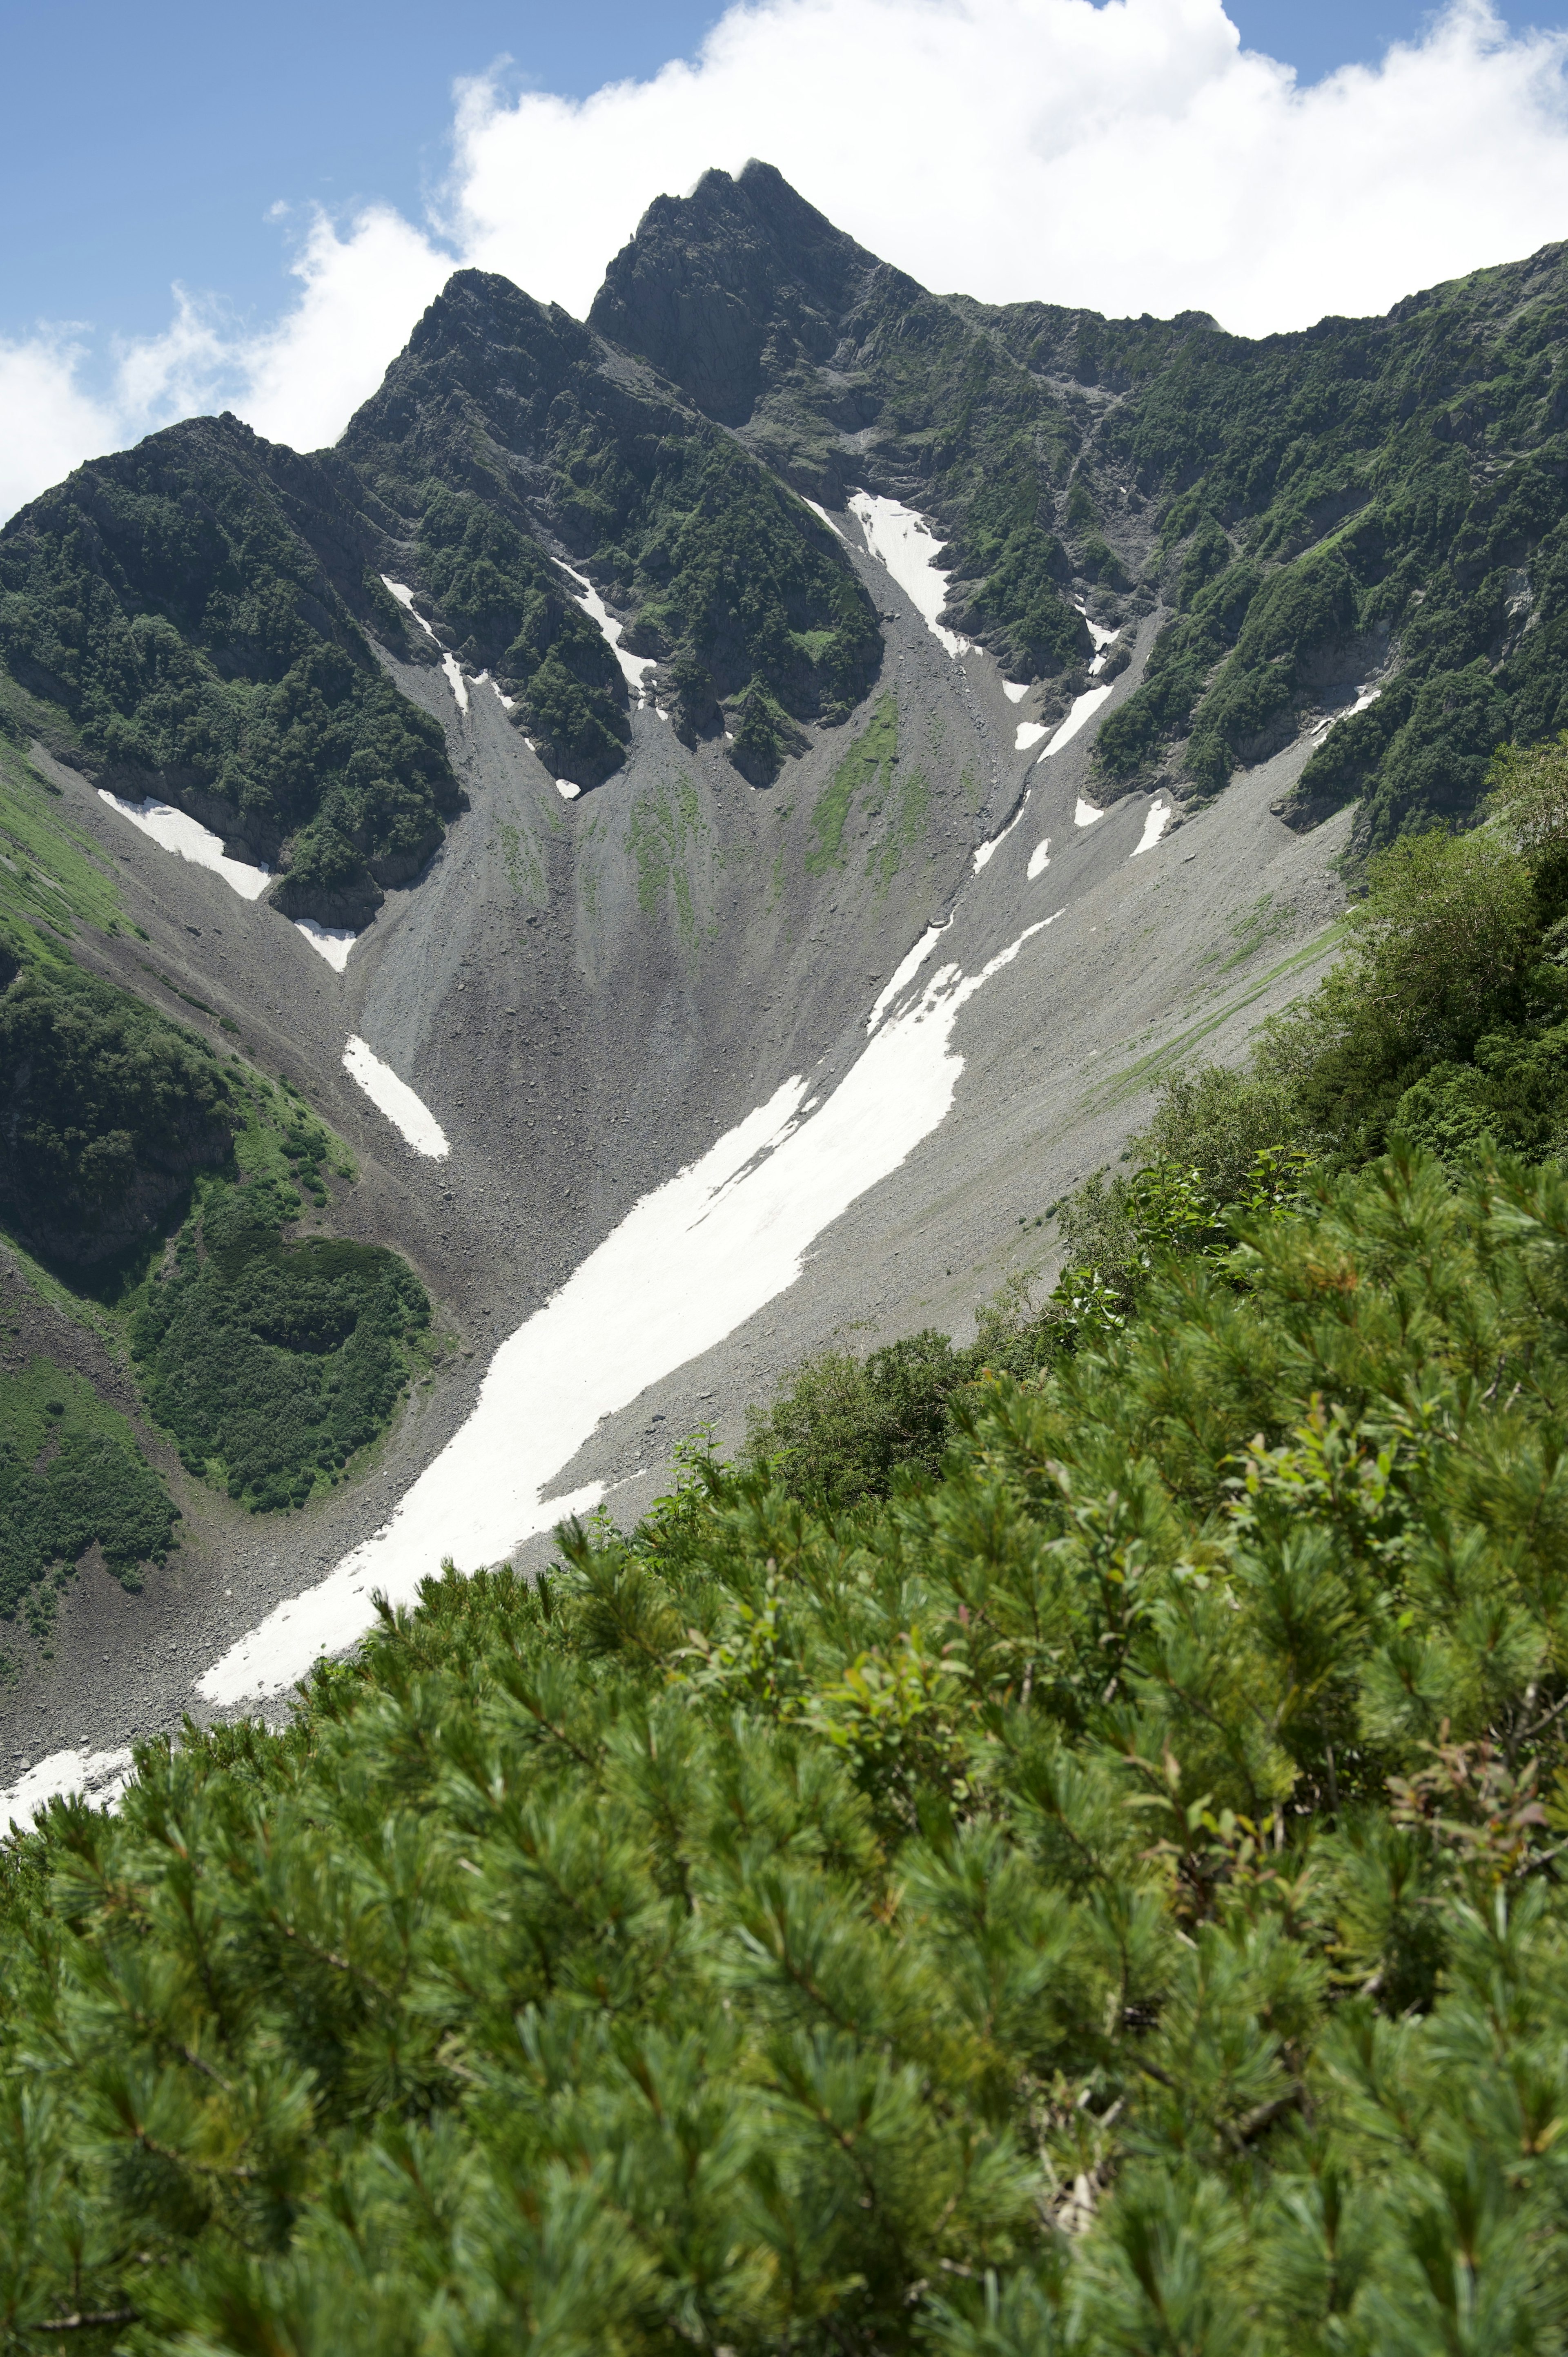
pixel 71 1475
pixel 170 601
pixel 272 1362
pixel 106 1111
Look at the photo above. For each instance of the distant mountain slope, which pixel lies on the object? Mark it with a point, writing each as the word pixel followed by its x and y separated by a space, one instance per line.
pixel 1368 504
pixel 843 373
pixel 508 430
pixel 194 607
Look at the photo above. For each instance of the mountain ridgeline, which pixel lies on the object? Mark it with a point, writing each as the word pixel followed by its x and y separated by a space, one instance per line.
pixel 1369 501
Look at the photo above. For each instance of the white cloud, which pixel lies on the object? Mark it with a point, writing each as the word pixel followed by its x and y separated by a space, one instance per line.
pixel 364 295
pixel 51 425
pixel 298 380
pixel 1129 156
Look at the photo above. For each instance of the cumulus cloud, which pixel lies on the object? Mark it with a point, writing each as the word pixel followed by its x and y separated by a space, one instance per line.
pixel 298 380
pixel 1129 155
pixel 50 423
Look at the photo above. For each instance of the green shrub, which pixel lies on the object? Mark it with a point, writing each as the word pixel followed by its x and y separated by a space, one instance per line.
pixel 1109 1899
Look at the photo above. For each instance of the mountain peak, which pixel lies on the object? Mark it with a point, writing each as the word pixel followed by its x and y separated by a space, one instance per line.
pixel 711 279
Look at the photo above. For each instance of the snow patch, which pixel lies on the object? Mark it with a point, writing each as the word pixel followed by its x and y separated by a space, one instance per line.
pixel 459 686
pixel 827 519
pixel 1156 818
pixel 1013 692
pixel 1029 733
pixel 1365 696
pixel 1102 638
pixel 507 703
pixel 1039 859
pixel 404 597
pixel 1085 813
pixel 987 851
pixel 332 941
pixel 99 1776
pixel 905 972
pixel 633 667
pixel 687 1265
pixel 175 831
pixel 409 1115
pixel 566 790
pixel 906 546
pixel 1084 708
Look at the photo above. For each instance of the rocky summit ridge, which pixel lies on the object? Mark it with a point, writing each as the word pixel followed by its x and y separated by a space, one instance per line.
pixel 628 723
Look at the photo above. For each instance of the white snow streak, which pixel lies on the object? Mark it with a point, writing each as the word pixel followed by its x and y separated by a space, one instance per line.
pixel 1367 696
pixel 987 851
pixel 1102 641
pixel 99 1776
pixel 1156 818
pixel 1084 708
pixel 173 830
pixel 632 666
pixel 905 543
pixel 407 1114
pixel 827 519
pixel 404 597
pixel 1039 859
pixel 332 941
pixel 905 972
pixel 1029 733
pixel 483 679
pixel 1013 692
pixel 686 1266
pixel 449 664
pixel 1085 813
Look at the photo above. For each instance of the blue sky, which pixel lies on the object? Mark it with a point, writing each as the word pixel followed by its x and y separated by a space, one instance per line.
pixel 160 138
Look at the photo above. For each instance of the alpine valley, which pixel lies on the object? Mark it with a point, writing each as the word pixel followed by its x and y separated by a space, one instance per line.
pixel 556 948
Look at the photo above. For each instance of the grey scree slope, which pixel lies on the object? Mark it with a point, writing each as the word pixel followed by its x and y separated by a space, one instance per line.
pixel 587 994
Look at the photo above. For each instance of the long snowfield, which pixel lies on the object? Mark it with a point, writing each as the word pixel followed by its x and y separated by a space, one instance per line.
pixel 689 1263
pixel 905 543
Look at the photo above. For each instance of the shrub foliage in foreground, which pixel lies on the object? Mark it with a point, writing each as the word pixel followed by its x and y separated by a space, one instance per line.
pixel 1106 1899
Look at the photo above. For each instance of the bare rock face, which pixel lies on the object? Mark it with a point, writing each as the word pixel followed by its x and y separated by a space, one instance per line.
pixel 726 289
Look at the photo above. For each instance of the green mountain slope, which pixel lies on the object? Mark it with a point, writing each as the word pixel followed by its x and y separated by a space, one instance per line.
pixel 176 602
pixel 505 428
pixel 1368 502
